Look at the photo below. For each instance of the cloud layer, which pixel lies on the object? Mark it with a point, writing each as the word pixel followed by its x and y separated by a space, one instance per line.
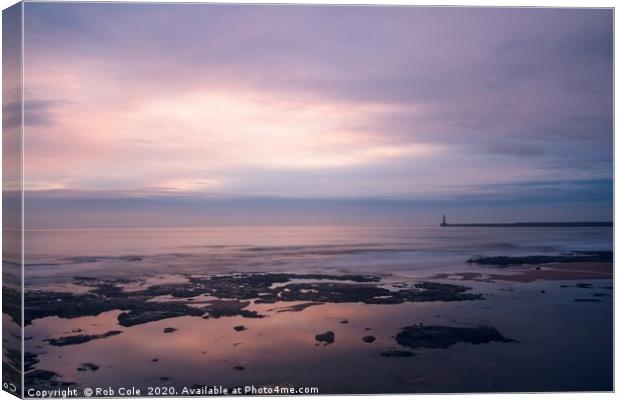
pixel 316 101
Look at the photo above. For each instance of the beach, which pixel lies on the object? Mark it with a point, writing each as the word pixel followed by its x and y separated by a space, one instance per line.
pixel 344 310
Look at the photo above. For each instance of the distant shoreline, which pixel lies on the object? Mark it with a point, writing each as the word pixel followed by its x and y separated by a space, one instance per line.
pixel 533 225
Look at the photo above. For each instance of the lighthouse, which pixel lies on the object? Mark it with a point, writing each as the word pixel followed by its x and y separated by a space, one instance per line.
pixel 443 221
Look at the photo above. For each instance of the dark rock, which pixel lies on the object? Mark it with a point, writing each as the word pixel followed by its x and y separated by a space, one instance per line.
pixel 574 256
pixel 30 360
pixel 368 294
pixel 240 328
pixel 368 339
pixel 297 307
pixel 12 305
pixel 79 339
pixel 170 330
pixel 233 293
pixel 327 338
pixel 139 316
pixel 44 379
pixel 584 285
pixel 435 336
pixel 239 368
pixel 398 353
pixel 581 286
pixel 88 367
pixel 229 308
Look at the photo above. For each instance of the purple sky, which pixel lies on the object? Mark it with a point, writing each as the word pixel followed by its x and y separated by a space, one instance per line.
pixel 443 108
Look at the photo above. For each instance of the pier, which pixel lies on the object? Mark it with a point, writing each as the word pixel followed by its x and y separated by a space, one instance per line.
pixel 575 224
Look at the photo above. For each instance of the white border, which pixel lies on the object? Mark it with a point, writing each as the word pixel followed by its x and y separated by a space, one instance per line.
pixel 479 3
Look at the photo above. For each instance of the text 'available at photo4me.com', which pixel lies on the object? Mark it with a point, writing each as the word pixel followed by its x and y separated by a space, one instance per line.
pixel 186 391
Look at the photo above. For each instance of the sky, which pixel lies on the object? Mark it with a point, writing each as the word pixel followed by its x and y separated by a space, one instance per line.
pixel 189 114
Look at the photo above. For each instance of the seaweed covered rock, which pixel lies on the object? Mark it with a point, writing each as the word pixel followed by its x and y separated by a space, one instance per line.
pixel 231 295
pixel 436 336
pixel 574 256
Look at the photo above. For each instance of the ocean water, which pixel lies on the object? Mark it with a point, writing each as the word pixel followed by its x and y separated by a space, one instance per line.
pixel 61 254
pixel 560 344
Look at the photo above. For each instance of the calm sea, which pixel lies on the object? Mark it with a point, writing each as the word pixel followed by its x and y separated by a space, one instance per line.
pixel 406 250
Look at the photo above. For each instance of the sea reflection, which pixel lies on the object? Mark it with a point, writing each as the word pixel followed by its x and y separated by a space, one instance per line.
pixel 281 348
